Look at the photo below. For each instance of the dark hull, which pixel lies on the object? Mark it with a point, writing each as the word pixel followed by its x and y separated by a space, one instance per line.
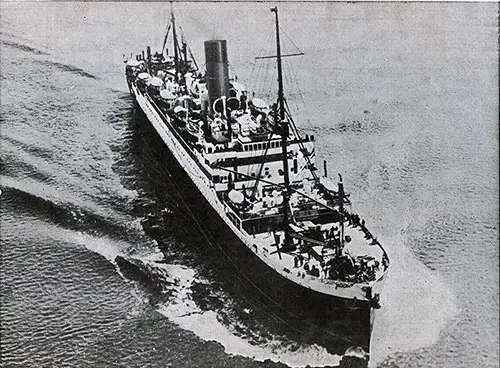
pixel 301 314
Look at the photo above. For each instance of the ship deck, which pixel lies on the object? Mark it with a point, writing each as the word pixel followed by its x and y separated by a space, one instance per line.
pixel 359 246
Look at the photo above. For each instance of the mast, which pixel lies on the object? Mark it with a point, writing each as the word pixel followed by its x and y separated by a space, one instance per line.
pixel 185 54
pixel 281 99
pixel 284 133
pixel 176 47
pixel 341 212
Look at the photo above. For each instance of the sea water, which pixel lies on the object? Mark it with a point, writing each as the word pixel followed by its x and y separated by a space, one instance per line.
pixel 403 102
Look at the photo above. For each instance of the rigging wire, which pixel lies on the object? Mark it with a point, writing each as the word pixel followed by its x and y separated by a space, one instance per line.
pixel 256 66
pixel 289 39
pixel 257 70
pixel 263 68
pixel 294 80
pixel 301 95
pixel 270 82
pixel 267 42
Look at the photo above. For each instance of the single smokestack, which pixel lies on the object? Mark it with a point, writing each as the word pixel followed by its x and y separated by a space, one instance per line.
pixel 217 70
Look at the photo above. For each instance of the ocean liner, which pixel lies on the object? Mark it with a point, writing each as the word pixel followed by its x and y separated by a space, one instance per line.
pixel 257 173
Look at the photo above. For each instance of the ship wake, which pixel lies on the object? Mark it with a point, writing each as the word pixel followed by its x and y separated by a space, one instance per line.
pixel 180 283
pixel 417 305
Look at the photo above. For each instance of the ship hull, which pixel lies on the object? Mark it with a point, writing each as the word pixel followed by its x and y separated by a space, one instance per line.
pixel 290 309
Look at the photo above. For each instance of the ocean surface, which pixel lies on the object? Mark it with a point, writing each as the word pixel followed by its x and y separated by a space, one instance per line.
pixel 403 101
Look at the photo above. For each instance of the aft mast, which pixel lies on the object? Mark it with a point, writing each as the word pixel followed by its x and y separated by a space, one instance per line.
pixel 284 134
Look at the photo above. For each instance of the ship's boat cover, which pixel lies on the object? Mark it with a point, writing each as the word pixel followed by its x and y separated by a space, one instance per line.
pixel 178 109
pixel 236 197
pixel 239 87
pixel 133 62
pixel 155 82
pixel 279 200
pixel 259 103
pixel 143 76
pixel 166 94
pixel 184 98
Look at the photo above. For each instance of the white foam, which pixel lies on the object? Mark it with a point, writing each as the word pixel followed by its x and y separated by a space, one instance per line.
pixel 157 256
pixel 136 224
pixel 416 306
pixel 106 247
pixel 183 311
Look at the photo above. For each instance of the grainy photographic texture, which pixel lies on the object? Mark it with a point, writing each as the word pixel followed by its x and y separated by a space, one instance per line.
pixel 106 257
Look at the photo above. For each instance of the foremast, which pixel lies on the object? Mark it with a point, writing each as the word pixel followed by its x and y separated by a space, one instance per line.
pixel 181 49
pixel 284 135
pixel 176 46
